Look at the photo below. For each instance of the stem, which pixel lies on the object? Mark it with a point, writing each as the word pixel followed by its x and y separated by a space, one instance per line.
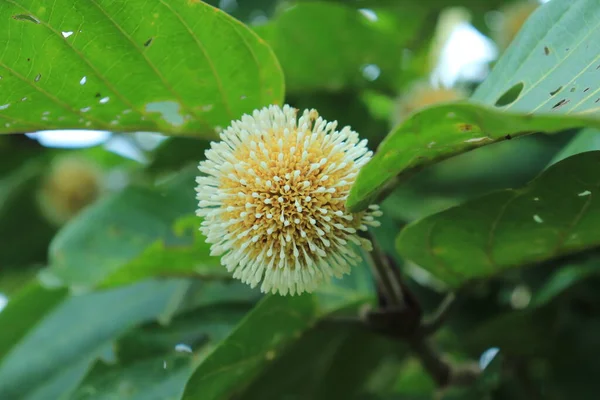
pixel 432 361
pixel 434 322
pixel 441 371
pixel 386 277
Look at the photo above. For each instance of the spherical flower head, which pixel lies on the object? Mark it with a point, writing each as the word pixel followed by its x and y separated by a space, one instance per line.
pixel 273 199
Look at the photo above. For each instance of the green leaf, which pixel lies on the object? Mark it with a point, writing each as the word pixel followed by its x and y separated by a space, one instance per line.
pixel 63 345
pixel 196 328
pixel 24 232
pixel 120 235
pixel 135 66
pixel 511 228
pixel 24 310
pixel 524 333
pixel 586 140
pixel 546 71
pixel 324 45
pixel 160 378
pixel 562 280
pixel 342 359
pixel 176 153
pixel 181 254
pixel 518 97
pixel 273 324
pixel 440 132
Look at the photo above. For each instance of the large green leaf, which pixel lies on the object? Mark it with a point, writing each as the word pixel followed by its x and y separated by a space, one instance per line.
pixel 24 310
pixel 528 91
pixel 175 67
pixel 273 324
pixel 553 216
pixel 62 346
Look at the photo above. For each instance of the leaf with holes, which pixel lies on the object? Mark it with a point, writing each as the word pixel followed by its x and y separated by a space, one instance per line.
pixel 179 67
pixel 273 324
pixel 518 97
pixel 553 66
pixel 511 228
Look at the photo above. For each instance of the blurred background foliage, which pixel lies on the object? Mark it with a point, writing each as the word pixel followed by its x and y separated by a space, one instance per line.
pixel 109 291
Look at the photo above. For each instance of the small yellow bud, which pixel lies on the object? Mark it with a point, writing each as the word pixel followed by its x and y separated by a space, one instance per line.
pixel 513 17
pixel 71 184
pixel 420 96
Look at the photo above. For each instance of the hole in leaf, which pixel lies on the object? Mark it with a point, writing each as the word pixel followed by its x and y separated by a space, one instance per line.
pixel 552 93
pixel 25 17
pixel 560 104
pixel 510 95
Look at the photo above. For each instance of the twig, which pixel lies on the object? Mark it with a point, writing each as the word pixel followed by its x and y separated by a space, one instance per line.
pixel 386 277
pixel 438 369
pixel 431 324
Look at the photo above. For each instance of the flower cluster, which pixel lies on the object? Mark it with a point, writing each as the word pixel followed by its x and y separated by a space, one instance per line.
pixel 272 197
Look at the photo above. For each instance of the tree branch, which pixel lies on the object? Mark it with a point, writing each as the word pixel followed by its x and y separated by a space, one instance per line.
pixel 435 321
pixel 386 277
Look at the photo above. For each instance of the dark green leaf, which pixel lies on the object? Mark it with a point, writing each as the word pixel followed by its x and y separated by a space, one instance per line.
pixel 177 152
pixel 511 228
pixel 563 279
pixel 175 67
pixel 586 140
pixel 160 378
pixel 25 310
pixel 262 336
pixel 347 357
pixel 195 329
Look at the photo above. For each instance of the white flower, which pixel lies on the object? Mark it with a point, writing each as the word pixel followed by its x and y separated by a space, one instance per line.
pixel 273 197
